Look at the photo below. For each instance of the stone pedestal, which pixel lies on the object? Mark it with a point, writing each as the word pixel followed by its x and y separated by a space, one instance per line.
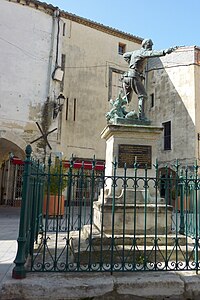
pixel 129 144
pixel 136 210
pixel 133 220
pixel 131 215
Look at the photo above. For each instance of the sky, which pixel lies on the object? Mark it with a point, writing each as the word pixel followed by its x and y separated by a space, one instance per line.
pixel 168 23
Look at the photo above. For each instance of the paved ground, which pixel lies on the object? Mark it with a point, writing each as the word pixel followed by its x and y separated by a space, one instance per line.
pixel 9 226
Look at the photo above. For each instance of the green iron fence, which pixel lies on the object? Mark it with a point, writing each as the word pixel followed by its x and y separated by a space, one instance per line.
pixel 31 212
pixel 104 223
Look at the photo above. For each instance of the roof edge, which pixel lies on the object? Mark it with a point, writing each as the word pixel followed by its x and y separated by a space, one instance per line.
pixel 64 14
pixel 101 27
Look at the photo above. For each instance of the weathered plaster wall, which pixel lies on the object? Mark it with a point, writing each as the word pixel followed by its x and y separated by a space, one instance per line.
pixel 172 80
pixel 25 44
pixel 89 54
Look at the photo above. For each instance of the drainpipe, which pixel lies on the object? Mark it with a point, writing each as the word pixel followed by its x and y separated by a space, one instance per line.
pixel 50 66
pixel 46 116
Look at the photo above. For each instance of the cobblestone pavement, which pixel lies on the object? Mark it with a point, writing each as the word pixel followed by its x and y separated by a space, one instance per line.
pixel 9 227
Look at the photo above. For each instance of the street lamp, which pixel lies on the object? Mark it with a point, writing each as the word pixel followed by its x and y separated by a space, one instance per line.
pixel 58 105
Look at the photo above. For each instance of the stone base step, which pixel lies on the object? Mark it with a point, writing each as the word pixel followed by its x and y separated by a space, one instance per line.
pixel 138 254
pixel 106 239
pixel 97 249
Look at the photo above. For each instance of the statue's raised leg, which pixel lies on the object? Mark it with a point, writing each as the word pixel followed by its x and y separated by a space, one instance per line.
pixel 141 115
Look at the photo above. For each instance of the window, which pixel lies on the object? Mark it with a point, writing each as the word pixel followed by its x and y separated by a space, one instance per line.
pixel 115 83
pixel 67 108
pixel 152 99
pixel 121 48
pixel 74 109
pixel 64 26
pixel 167 135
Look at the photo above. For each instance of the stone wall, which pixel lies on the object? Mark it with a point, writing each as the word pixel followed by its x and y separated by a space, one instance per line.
pixel 173 81
pixel 91 55
pixel 27 42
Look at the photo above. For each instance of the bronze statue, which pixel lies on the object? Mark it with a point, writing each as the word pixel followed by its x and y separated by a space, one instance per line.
pixel 132 80
pixel 118 109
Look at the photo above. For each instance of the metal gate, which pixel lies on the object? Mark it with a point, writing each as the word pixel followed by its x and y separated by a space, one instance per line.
pixel 11 182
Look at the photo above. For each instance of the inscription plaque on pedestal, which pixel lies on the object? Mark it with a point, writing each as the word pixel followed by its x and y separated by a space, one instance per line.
pixel 130 154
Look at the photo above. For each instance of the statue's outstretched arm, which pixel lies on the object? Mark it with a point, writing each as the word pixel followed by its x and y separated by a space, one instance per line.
pixel 154 53
pixel 170 50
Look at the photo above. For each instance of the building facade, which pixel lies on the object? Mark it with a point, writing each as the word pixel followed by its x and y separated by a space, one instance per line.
pixel 29 55
pixel 173 102
pixel 28 59
pixel 48 55
pixel 93 65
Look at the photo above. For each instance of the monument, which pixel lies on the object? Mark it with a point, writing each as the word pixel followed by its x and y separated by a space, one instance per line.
pixel 131 141
pixel 129 206
pixel 130 136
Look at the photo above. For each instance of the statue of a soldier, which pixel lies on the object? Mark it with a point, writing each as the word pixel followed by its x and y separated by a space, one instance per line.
pixel 132 80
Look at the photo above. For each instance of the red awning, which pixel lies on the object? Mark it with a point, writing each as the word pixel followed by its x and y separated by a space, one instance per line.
pixel 17 161
pixel 87 165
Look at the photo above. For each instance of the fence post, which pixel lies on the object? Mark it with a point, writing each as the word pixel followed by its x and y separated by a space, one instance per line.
pixel 114 185
pixel 182 225
pixel 19 271
pixel 196 167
